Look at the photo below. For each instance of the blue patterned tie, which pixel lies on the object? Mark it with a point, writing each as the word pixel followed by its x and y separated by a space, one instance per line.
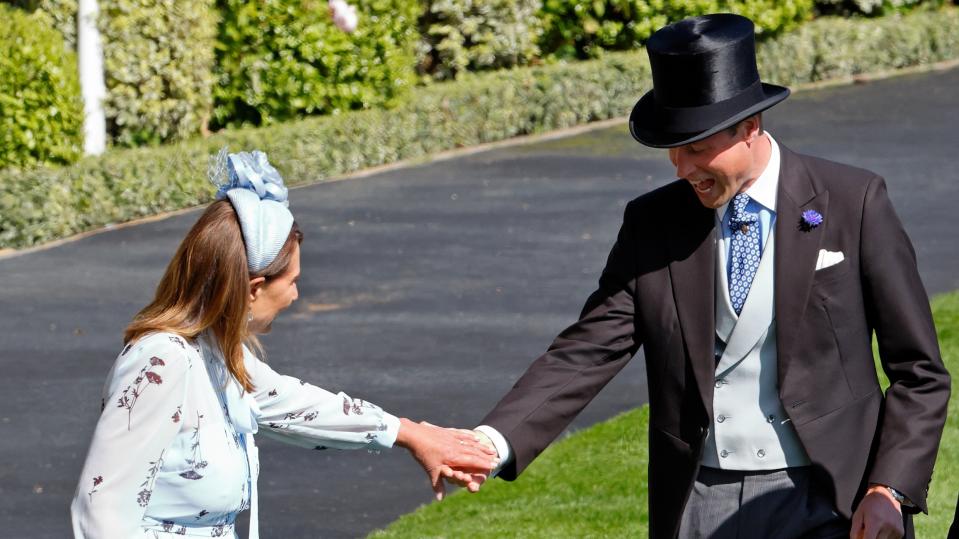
pixel 744 252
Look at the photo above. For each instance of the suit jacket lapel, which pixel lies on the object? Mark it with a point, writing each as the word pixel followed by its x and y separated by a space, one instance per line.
pixel 692 258
pixel 796 251
pixel 726 321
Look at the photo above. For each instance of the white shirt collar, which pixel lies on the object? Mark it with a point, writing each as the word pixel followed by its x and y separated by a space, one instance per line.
pixel 765 188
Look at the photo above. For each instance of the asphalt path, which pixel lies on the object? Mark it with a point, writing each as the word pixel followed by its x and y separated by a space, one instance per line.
pixel 427 290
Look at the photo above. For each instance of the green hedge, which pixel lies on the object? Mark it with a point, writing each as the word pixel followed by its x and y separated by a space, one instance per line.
pixel 872 8
pixel 158 58
pixel 478 35
pixel 831 48
pixel 62 12
pixel 158 64
pixel 279 60
pixel 586 28
pixel 45 204
pixel 41 112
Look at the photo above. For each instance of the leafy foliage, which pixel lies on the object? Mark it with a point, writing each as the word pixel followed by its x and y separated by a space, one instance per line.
pixel 585 28
pixel 476 35
pixel 49 203
pixel 873 7
pixel 830 48
pixel 62 12
pixel 279 60
pixel 41 113
pixel 158 58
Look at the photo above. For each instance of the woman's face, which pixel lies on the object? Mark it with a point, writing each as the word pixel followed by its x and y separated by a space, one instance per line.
pixel 270 296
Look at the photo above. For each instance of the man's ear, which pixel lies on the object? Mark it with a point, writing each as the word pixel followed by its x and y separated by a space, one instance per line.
pixel 752 128
pixel 256 286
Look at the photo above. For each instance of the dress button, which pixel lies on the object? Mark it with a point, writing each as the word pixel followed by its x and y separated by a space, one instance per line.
pixel 724 453
pixel 761 453
pixel 721 418
pixel 771 418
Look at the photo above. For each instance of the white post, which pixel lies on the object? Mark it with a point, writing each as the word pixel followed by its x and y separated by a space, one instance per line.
pixel 92 84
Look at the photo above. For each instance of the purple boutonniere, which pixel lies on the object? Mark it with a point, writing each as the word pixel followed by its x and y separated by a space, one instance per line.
pixel 809 220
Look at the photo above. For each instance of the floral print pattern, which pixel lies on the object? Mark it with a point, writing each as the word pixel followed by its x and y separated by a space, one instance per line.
pixel 96 483
pixel 128 399
pixel 192 432
pixel 196 463
pixel 143 497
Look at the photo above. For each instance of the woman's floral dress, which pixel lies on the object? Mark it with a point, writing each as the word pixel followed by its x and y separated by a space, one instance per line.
pixel 173 451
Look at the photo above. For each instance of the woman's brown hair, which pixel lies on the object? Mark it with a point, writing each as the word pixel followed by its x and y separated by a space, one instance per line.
pixel 207 286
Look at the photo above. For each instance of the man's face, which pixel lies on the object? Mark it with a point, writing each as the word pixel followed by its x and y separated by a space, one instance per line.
pixel 718 167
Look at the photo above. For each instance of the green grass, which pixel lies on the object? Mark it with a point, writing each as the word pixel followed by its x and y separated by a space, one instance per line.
pixel 593 483
pixel 945 479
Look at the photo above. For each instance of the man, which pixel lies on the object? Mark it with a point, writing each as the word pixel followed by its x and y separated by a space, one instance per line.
pixel 755 283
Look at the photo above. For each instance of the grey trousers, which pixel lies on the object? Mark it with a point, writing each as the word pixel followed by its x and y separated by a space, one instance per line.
pixel 781 504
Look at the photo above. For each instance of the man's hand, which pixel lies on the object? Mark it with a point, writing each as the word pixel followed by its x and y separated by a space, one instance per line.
pixel 472 481
pixel 878 516
pixel 452 453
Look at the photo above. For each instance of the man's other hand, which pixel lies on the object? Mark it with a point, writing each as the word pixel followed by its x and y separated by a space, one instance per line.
pixel 879 516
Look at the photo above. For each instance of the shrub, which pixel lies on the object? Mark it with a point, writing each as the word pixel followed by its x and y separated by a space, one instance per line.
pixel 48 203
pixel 872 7
pixel 476 35
pixel 831 47
pixel 158 57
pixel 41 112
pixel 63 13
pixel 279 60
pixel 584 28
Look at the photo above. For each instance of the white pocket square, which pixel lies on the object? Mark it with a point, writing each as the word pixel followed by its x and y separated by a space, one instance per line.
pixel 828 258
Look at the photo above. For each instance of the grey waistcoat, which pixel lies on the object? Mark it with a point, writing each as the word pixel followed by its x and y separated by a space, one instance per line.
pixel 750 429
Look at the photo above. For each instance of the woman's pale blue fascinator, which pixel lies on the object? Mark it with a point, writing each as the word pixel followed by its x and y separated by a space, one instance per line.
pixel 259 197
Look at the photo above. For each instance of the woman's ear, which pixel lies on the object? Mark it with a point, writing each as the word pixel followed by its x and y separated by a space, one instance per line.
pixel 256 285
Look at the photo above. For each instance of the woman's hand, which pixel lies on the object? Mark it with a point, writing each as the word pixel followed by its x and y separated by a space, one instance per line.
pixel 455 454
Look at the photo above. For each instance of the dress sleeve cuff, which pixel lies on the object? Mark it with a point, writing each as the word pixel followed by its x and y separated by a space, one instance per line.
pixel 386 438
pixel 501 445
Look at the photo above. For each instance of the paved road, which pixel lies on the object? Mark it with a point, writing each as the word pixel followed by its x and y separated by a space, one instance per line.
pixel 427 290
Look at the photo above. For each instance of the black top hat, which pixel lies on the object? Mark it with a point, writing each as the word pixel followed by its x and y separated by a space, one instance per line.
pixel 704 80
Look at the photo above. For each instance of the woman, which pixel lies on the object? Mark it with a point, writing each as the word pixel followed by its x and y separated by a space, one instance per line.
pixel 173 450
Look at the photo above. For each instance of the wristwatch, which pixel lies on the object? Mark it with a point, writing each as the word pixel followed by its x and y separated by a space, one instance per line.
pixel 898 496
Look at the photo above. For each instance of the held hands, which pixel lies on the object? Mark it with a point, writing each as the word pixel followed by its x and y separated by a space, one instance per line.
pixel 472 481
pixel 879 516
pixel 454 454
